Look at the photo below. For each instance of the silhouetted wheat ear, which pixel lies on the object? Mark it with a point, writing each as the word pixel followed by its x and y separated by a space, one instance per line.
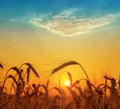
pixel 64 65
pixel 1 66
pixel 28 74
pixel 45 89
pixel 13 78
pixel 70 78
pixel 67 64
pixel 18 72
pixel 33 69
pixel 6 75
pixel 47 84
pixel 89 85
pixel 15 69
pixel 60 91
pixel 119 82
pixel 75 98
pixel 76 82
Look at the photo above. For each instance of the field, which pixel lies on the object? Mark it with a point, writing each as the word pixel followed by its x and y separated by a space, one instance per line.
pixel 24 95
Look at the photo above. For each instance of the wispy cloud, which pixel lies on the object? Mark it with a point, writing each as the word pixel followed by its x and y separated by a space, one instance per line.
pixel 71 22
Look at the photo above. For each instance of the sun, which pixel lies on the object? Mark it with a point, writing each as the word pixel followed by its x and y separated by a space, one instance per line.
pixel 67 83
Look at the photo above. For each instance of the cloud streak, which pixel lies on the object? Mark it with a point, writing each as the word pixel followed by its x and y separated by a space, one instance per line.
pixel 71 23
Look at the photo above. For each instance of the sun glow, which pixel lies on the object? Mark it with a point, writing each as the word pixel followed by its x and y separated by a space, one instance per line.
pixel 67 83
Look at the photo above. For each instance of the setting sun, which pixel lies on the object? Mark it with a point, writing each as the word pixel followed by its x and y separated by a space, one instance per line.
pixel 67 83
pixel 60 54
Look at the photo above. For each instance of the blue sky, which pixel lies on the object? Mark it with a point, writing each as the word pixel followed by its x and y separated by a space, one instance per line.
pixel 21 7
pixel 42 13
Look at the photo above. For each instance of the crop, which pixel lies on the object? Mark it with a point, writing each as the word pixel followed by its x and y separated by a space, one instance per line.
pixel 25 95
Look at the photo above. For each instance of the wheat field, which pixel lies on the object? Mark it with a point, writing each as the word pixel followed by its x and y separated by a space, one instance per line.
pixel 23 95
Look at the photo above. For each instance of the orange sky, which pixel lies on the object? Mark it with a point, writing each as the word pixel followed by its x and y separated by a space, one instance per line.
pixel 98 52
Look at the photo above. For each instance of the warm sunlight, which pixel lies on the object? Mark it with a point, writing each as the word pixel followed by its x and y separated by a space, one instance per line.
pixel 67 83
pixel 60 54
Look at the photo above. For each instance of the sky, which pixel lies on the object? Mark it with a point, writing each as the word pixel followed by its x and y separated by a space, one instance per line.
pixel 47 33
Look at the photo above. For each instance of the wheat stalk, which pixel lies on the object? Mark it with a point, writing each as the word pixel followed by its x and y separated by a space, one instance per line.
pixel 75 97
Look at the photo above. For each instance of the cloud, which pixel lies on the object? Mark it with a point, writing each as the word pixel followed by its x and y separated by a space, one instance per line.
pixel 71 23
pixel 12 20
